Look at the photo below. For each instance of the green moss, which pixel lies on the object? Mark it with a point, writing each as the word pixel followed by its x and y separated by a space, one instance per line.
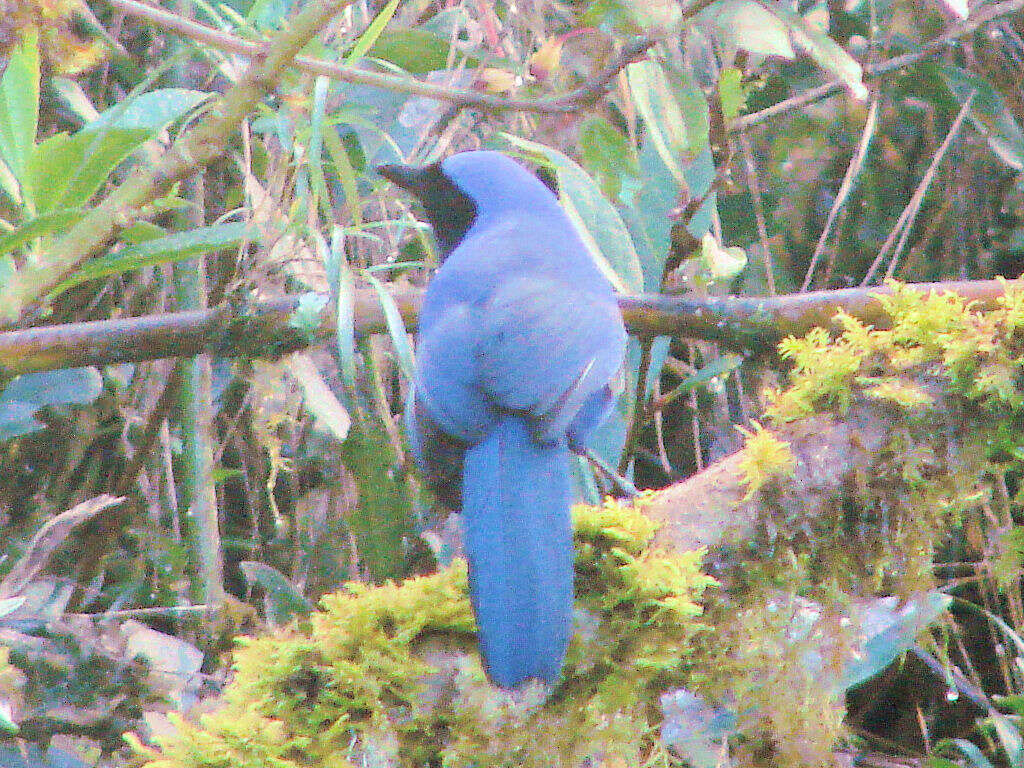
pixel 974 354
pixel 939 396
pixel 765 459
pixel 387 675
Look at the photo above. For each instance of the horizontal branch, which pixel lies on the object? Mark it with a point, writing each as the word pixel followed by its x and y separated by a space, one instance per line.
pixel 266 329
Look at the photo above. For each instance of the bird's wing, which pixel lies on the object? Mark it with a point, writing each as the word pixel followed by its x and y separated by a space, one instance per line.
pixel 544 346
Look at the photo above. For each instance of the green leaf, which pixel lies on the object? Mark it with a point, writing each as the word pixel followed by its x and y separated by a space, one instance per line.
pixel 748 26
pixel 414 50
pixel 38 227
pixel 65 171
pixel 26 394
pixel 373 31
pixel 989 114
pixel 608 156
pixel 285 602
pixel 825 51
pixel 161 250
pixel 890 632
pixel 19 105
pixel 396 327
pixel 730 92
pixel 719 263
pixel 152 111
pixel 654 100
pixel 599 223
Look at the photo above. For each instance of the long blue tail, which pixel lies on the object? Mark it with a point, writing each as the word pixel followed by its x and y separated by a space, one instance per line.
pixel 516 496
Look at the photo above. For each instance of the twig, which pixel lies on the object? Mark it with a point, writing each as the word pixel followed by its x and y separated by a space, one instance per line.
pixel 754 184
pixel 590 91
pixel 856 163
pixel 639 420
pixel 906 220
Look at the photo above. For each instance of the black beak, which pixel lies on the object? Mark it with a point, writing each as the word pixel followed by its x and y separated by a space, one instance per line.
pixel 412 178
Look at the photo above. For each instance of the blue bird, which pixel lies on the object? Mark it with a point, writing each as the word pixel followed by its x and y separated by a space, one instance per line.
pixel 519 350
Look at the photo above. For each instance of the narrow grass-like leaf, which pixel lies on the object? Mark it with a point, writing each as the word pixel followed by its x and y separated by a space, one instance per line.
pixel 38 227
pixel 369 37
pixel 162 250
pixel 396 327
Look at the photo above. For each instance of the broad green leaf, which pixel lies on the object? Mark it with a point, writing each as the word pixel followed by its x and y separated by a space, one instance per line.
pixel 18 418
pixel 745 25
pixel 608 156
pixel 161 250
pixel 68 385
pixel 825 51
pixel 152 111
pixel 64 171
pixel 373 31
pixel 654 100
pixel 890 630
pixel 19 105
pixel 730 92
pixel 38 227
pixel 285 602
pixel 989 114
pixel 720 263
pixel 396 327
pixel 414 50
pixel 600 225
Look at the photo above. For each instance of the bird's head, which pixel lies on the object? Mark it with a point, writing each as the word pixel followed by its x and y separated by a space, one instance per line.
pixel 466 186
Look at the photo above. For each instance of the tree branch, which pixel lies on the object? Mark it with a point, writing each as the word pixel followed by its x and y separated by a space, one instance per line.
pixel 265 330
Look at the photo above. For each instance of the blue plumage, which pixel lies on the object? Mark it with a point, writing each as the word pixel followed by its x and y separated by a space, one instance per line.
pixel 520 336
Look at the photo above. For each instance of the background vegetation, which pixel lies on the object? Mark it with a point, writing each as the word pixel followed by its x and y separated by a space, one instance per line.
pixel 215 162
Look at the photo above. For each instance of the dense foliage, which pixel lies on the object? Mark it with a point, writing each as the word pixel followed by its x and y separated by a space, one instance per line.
pixel 174 158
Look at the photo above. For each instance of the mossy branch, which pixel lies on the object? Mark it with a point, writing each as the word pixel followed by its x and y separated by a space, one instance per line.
pixel 265 329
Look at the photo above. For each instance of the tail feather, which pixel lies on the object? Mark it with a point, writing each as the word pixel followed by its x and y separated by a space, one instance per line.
pixel 516 496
